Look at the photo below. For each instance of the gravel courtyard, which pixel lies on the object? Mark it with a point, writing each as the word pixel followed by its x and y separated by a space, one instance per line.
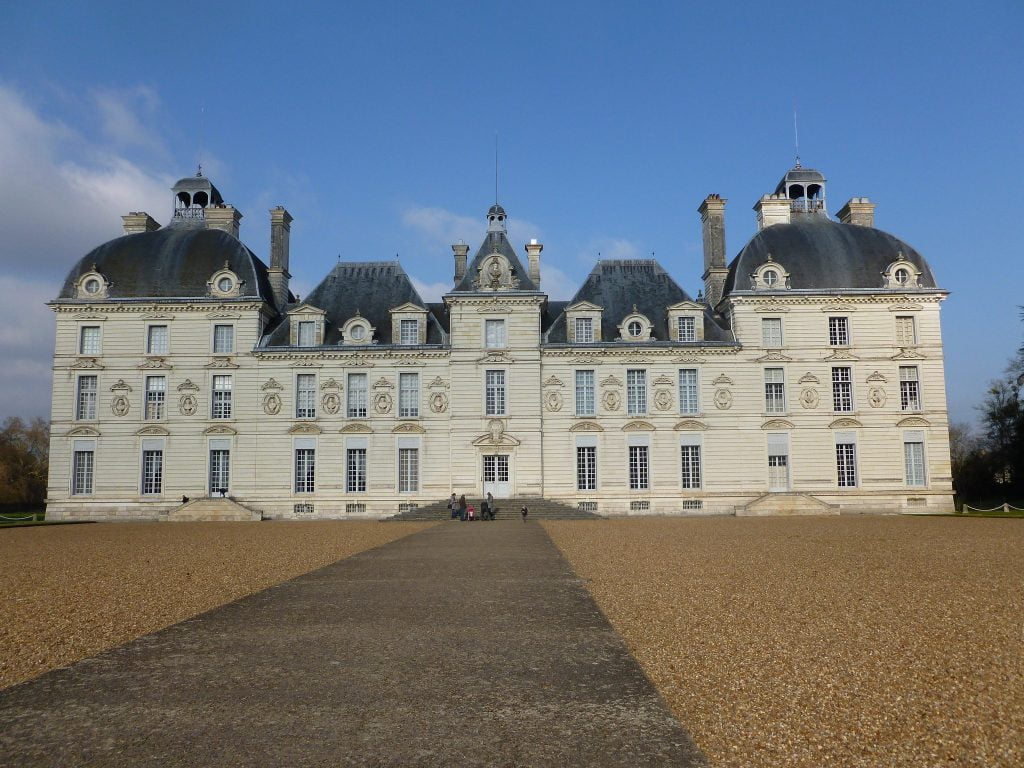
pixel 852 641
pixel 71 591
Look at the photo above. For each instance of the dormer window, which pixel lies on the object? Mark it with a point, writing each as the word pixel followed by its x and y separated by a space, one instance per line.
pixel 770 276
pixel 583 323
pixel 307 333
pixel 408 325
pixel 901 274
pixel 307 326
pixel 635 327
pixel 92 285
pixel 224 284
pixel 357 331
pixel 686 322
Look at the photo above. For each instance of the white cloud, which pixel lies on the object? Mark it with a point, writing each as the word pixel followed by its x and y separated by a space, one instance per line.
pixel 26 346
pixel 556 283
pixel 123 115
pixel 607 248
pixel 441 227
pixel 430 291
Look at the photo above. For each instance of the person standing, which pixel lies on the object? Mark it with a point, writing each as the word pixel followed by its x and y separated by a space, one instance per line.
pixel 524 512
pixel 485 510
pixel 490 506
pixel 453 507
pixel 462 507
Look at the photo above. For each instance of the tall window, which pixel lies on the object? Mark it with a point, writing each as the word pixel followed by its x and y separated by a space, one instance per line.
pixel 408 470
pixel 81 472
pixel 910 389
pixel 152 471
pixel 774 390
pixel 638 468
pixel 846 463
pixel 636 392
pixel 85 406
pixel 584 393
pixel 89 340
pixel 842 389
pixel 408 395
pixel 357 395
pixel 220 470
pixel 494 394
pixel 771 332
pixel 305 470
pixel 686 328
pixel 583 330
pixel 586 468
pixel 156 395
pixel 778 461
pixel 906 331
pixel 494 333
pixel 307 333
pixel 409 332
pixel 223 339
pixel 221 400
pixel 690 456
pixel 913 460
pixel 305 396
pixel 355 474
pixel 157 340
pixel 839 331
pixel 688 402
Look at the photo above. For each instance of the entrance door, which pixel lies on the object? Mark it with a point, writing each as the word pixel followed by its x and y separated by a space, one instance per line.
pixel 220 469
pixel 496 476
pixel 778 473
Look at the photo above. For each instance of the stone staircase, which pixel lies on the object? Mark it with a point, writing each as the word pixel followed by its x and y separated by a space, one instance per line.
pixel 508 509
pixel 211 509
pixel 787 504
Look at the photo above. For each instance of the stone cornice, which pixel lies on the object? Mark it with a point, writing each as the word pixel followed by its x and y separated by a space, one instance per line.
pixel 825 299
pixel 355 356
pixel 144 308
pixel 612 354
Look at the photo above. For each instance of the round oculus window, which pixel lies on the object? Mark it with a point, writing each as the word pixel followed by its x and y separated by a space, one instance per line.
pixel 92 285
pixel 358 332
pixel 635 328
pixel 225 284
pixel 770 277
pixel 902 276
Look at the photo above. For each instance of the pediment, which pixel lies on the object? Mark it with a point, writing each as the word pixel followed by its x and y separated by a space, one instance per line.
pixel 662 381
pixel 154 363
pixel 846 423
pixel 438 383
pixel 722 379
pixel 120 386
pixel 907 354
pixel 496 357
pixel 586 426
pixel 409 429
pixel 876 376
pixel 156 316
pixel 771 308
pixel 153 431
pixel 83 432
pixel 809 378
pixel 224 316
pixel 905 307
pixel 304 428
pixel 584 306
pixel 839 307
pixel 89 316
pixel 777 424
pixel 686 306
pixel 307 363
pixel 220 429
pixel 686 359
pixel 553 381
pixel 270 383
pixel 188 386
pixel 221 362
pixel 355 428
pixel 638 426
pixel 611 381
pixel 502 439
pixel 408 307
pixel 331 383
pixel 841 354
pixel 85 363
pixel 306 309
pixel 913 421
pixel 773 356
pixel 690 425
pixel 383 383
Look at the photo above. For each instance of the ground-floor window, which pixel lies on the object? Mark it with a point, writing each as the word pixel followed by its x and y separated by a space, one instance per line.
pixel 586 468
pixel 408 470
pixel 690 456
pixel 638 468
pixel 355 474
pixel 220 470
pixel 152 471
pixel 305 470
pixel 913 460
pixel 81 472
pixel 846 464
pixel 778 461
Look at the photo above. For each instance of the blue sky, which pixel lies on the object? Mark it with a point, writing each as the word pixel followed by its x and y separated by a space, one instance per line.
pixel 374 125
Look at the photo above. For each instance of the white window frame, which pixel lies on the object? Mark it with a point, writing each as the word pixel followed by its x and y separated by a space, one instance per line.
pixel 771 332
pixel 838 331
pixel 219 446
pixel 910 389
pixel 153 469
pixel 903 324
pixel 305 395
pixel 915 468
pixel 408 395
pixel 639 467
pixel 408 464
pixel 842 389
pixel 356 467
pixel 774 390
pixel 636 392
pixel 163 348
pixel 83 467
pixel 221 387
pixel 691 469
pixel 93 350
pixel 689 392
pixel 155 407
pixel 846 460
pixel 357 397
pixel 86 400
pixel 586 466
pixel 587 325
pixel 495 393
pixel 686 328
pixel 408 331
pixel 307 328
pixel 495 333
pixel 304 465
pixel 586 391
pixel 218 349
pixel 778 452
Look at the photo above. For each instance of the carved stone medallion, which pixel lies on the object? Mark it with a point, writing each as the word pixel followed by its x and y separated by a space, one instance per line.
pixel 272 404
pixel 663 400
pixel 809 397
pixel 120 406
pixel 187 405
pixel 382 403
pixel 723 399
pixel 439 402
pixel 876 397
pixel 612 400
pixel 553 401
pixel 331 402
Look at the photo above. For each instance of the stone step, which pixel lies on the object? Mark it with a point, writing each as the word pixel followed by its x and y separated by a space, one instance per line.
pixel 508 509
pixel 212 510
pixel 787 504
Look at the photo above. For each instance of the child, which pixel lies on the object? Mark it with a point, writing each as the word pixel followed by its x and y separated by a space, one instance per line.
pixel 472 513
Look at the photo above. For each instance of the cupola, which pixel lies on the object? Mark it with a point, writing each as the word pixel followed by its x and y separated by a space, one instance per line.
pixel 193 195
pixel 805 190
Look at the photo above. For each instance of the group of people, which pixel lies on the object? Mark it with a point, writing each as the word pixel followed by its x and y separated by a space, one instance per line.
pixel 460 510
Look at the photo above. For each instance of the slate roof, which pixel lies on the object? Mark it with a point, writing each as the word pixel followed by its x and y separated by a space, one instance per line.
pixel 173 262
pixel 495 241
pixel 617 285
pixel 825 255
pixel 370 287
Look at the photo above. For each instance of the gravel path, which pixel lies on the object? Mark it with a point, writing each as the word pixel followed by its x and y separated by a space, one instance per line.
pixel 874 641
pixel 70 591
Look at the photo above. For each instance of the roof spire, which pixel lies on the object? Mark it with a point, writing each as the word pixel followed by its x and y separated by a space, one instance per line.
pixel 495 167
pixel 796 135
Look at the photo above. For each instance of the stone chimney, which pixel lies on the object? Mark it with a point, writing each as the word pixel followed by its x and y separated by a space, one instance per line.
pixel 712 219
pixel 533 249
pixel 223 217
pixel 859 211
pixel 139 221
pixel 461 251
pixel 773 209
pixel 280 233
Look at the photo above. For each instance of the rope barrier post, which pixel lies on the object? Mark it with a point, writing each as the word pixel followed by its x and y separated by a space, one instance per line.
pixel 1006 508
